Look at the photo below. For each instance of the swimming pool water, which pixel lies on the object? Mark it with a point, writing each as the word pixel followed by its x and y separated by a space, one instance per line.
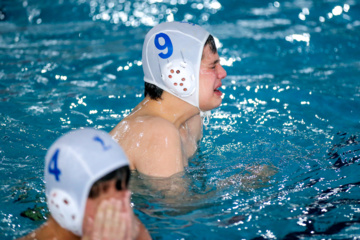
pixel 291 102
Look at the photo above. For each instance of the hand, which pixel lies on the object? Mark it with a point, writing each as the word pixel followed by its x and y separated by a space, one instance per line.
pixel 114 220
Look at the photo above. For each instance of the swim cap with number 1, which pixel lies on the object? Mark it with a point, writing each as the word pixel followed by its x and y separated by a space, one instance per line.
pixel 72 164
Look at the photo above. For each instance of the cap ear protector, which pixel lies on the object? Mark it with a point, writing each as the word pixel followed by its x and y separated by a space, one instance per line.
pixel 64 209
pixel 179 77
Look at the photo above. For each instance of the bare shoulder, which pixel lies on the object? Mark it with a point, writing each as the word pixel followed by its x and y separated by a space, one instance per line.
pixel 46 231
pixel 156 130
pixel 143 126
pixel 152 144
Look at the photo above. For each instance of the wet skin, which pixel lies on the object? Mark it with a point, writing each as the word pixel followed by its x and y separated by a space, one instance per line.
pixel 159 136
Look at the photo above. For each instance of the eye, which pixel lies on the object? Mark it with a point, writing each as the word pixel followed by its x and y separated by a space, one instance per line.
pixel 118 185
pixel 213 66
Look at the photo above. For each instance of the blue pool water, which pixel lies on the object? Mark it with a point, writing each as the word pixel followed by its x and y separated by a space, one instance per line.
pixel 291 103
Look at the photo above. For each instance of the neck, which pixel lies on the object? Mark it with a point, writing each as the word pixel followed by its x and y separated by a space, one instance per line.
pixel 170 108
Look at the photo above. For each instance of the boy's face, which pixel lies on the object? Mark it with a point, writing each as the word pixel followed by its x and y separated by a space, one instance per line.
pixel 211 74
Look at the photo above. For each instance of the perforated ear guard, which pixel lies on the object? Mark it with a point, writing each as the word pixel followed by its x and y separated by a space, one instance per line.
pixel 179 77
pixel 65 210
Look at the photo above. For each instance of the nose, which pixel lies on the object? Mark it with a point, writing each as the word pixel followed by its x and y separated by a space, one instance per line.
pixel 221 72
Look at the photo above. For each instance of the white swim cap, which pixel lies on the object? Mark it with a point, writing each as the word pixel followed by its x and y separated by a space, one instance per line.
pixel 72 164
pixel 171 58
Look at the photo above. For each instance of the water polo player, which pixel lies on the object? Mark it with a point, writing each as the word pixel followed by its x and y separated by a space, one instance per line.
pixel 182 78
pixel 86 177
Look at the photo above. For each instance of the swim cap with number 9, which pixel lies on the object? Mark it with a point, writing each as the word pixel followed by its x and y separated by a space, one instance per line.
pixel 171 58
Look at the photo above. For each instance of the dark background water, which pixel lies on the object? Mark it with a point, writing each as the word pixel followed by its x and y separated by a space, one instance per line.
pixel 291 100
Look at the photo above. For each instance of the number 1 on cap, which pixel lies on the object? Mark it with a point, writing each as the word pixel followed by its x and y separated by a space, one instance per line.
pixel 52 168
pixel 167 45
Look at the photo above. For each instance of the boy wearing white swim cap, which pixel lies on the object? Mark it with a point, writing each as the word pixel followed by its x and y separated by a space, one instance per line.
pixel 182 78
pixel 86 176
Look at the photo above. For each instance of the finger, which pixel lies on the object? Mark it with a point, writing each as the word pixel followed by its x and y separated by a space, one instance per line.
pixel 122 220
pixel 115 223
pixel 107 223
pixel 127 203
pixel 99 220
pixel 125 225
pixel 133 227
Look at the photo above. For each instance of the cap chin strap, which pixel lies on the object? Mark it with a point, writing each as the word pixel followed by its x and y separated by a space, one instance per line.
pixel 206 117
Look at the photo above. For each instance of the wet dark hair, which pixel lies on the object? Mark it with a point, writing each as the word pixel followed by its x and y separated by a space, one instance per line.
pixel 155 92
pixel 211 41
pixel 121 175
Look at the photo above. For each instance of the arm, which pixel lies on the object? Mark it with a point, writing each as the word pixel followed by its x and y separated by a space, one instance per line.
pixel 251 177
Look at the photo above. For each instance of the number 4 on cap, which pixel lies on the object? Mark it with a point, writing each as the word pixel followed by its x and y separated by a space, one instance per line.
pixel 53 168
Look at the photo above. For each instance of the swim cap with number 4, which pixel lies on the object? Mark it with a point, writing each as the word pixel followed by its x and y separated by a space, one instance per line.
pixel 172 56
pixel 72 164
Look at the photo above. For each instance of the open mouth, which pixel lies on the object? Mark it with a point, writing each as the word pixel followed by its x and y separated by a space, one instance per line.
pixel 217 91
